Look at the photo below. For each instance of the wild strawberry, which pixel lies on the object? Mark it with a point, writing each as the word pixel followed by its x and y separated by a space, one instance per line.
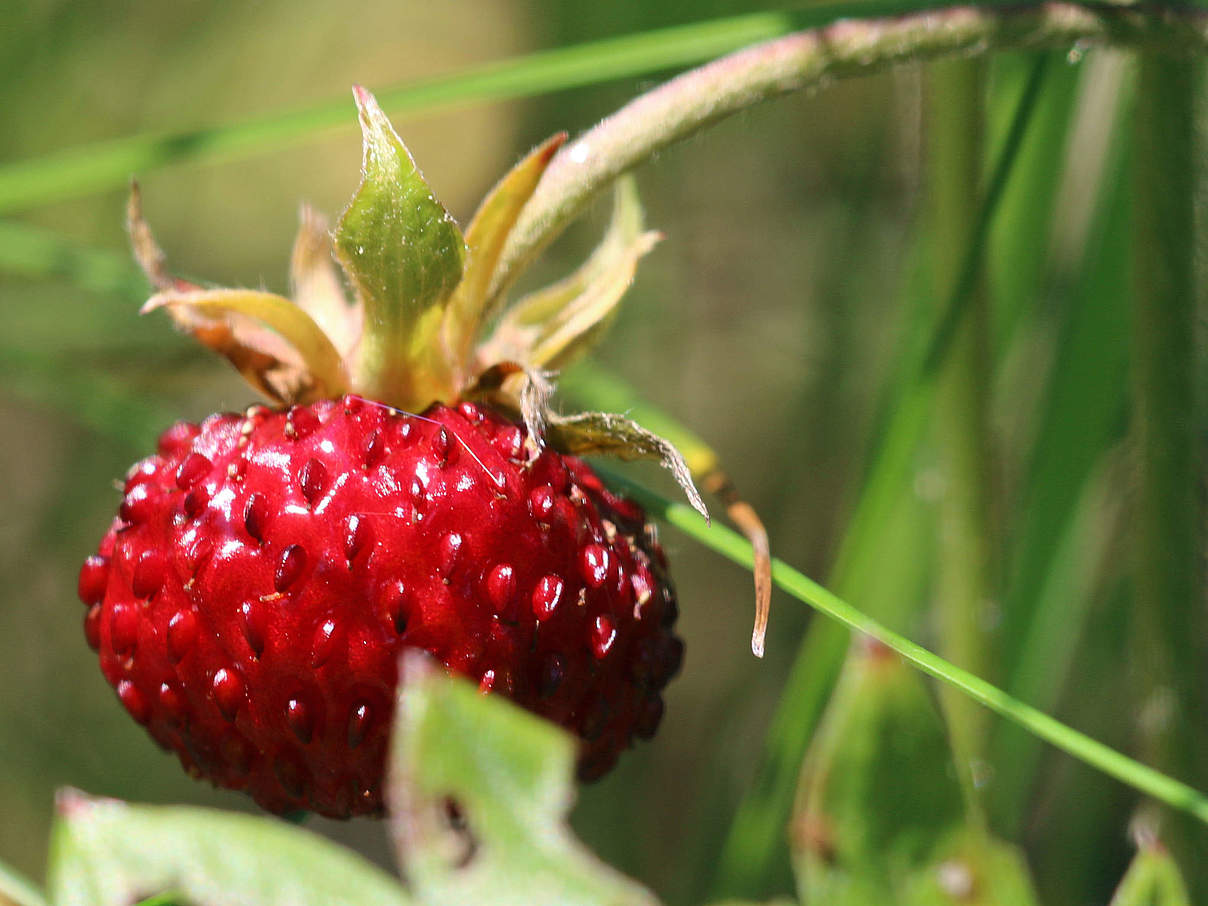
pixel 250 601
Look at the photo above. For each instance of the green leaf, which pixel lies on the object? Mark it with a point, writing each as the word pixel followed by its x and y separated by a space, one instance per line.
pixel 509 775
pixel 403 255
pixel 107 852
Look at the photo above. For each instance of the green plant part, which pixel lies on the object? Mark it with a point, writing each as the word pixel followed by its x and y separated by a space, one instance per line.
pixel 878 797
pixel 1153 878
pixel 972 870
pixel 414 490
pixel 880 815
pixel 479 796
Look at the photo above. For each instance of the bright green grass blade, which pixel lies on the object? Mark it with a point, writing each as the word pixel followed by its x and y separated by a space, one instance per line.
pixel 732 546
pixel 79 171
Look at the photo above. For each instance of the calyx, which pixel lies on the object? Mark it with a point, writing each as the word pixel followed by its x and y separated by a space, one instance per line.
pixel 421 323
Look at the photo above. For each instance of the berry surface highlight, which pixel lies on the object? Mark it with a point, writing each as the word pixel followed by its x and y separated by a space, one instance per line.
pixel 251 599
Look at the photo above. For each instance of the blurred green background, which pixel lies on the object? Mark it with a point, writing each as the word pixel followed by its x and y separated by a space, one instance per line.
pixel 784 319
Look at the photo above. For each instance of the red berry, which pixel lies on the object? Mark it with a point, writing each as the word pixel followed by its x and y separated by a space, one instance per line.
pixel 266 569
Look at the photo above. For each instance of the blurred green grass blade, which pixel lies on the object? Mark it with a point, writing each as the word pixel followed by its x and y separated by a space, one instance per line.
pixel 954 105
pixel 1166 433
pixel 1153 879
pixel 102 403
pixel 732 546
pixel 164 899
pixel 17 889
pixel 82 170
pixel 30 251
pixel 1073 582
pixel 754 855
pixel 855 824
pixel 1082 415
pixel 1018 259
pixel 751 853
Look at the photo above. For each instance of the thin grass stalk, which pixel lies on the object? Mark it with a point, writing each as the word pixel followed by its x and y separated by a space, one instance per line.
pixel 725 541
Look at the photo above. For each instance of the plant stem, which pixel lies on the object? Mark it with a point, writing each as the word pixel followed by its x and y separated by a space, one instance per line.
pixel 911 34
pixel 1169 604
pixel 730 544
pixel 809 59
pixel 956 92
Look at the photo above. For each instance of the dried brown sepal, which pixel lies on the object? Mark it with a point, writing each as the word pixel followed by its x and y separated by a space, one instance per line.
pixel 609 434
pixel 275 345
pixel 536 390
pixel 743 515
pixel 518 391
pixel 315 284
pixel 147 253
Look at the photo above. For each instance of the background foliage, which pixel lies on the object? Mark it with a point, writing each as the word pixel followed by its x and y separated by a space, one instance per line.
pixel 791 319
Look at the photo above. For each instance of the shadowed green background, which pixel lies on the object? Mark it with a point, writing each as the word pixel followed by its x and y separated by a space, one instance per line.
pixel 779 320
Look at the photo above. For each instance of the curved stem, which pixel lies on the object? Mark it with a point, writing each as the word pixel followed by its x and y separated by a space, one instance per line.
pixel 809 59
pixel 730 544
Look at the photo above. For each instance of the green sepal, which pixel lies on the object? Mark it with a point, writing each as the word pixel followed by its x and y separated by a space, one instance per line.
pixel 471 308
pixel 479 791
pixel 1153 879
pixel 552 327
pixel 403 255
pixel 609 434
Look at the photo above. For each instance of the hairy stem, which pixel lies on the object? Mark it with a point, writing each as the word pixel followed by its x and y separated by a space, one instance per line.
pixel 809 59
